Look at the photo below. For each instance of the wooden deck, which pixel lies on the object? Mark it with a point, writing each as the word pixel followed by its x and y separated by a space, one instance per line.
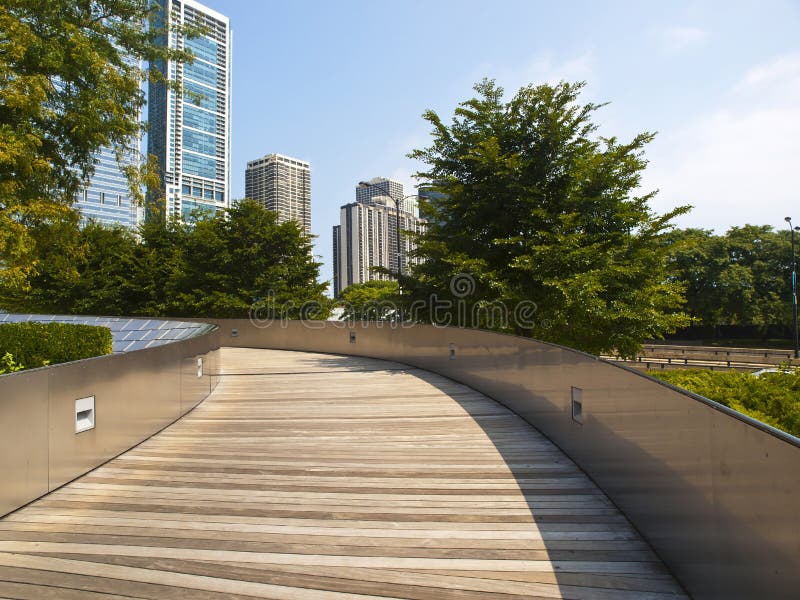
pixel 318 476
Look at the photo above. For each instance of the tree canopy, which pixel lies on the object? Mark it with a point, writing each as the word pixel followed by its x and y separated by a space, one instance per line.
pixel 742 277
pixel 217 266
pixel 71 74
pixel 375 300
pixel 538 210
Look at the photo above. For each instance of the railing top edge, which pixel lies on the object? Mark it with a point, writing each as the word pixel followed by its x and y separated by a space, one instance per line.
pixel 211 328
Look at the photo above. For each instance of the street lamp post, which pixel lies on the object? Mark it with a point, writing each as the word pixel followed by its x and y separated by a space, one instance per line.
pixel 794 289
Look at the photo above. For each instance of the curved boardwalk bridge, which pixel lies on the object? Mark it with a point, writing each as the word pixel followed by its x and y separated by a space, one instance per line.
pixel 320 476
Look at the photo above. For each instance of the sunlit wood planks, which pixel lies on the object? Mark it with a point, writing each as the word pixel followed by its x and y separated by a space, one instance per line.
pixel 318 476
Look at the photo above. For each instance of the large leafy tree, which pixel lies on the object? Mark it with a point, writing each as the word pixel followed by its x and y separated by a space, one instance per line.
pixel 739 278
pixel 59 251
pixel 218 266
pixel 544 215
pixel 245 259
pixel 699 259
pixel 71 74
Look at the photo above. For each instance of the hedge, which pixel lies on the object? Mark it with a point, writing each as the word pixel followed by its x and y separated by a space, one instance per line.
pixel 772 398
pixel 39 344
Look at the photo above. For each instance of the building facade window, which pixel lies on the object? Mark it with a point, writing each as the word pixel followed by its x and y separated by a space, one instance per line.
pixel 201 166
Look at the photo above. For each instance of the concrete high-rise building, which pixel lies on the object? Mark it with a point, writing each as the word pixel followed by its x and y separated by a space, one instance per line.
pixel 107 198
pixel 190 131
pixel 379 186
pixel 283 184
pixel 367 234
pixel 410 205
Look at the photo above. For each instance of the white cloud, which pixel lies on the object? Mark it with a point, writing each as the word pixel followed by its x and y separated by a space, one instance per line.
pixel 542 68
pixel 737 164
pixel 674 39
pixel 779 78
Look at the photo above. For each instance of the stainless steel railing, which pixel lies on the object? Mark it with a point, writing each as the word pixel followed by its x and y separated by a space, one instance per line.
pixel 716 493
pixel 134 395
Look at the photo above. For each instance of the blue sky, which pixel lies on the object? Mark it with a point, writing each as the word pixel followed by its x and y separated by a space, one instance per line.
pixel 343 84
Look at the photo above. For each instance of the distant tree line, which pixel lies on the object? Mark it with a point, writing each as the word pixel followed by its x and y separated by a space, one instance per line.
pixel 737 283
pixel 214 266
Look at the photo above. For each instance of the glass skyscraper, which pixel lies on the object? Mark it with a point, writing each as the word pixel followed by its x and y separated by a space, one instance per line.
pixel 190 131
pixel 107 198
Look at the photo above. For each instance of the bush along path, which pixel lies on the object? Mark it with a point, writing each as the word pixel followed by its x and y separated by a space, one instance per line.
pixel 772 398
pixel 29 345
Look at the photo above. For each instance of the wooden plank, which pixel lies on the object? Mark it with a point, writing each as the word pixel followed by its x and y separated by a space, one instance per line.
pixel 317 476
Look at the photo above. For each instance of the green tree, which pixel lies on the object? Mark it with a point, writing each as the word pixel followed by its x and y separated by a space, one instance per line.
pixel 59 253
pixel 160 259
pixel 698 258
pixel 217 266
pixel 539 209
pixel 739 278
pixel 245 258
pixel 105 286
pixel 765 256
pixel 375 300
pixel 70 83
pixel 71 76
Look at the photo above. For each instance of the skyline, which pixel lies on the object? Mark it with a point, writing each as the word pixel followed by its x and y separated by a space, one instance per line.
pixel 719 82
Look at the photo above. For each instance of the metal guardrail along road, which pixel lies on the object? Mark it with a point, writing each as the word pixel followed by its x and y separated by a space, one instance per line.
pixel 667 356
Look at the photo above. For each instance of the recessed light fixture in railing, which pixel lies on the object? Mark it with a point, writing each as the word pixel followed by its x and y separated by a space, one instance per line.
pixel 577 405
pixel 84 414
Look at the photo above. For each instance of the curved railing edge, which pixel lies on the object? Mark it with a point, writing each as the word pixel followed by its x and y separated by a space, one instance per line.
pixel 713 491
pixel 136 394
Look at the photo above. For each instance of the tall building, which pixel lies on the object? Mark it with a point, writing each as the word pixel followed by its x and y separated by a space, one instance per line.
pixel 377 187
pixel 107 198
pixel 283 184
pixel 190 131
pixel 367 234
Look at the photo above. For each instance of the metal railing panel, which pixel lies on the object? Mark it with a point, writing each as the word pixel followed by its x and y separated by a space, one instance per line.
pixel 136 394
pixel 715 493
pixel 23 438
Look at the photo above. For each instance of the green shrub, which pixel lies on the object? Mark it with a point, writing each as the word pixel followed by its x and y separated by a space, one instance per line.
pixel 9 365
pixel 772 398
pixel 40 344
